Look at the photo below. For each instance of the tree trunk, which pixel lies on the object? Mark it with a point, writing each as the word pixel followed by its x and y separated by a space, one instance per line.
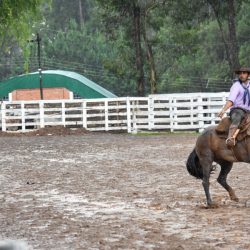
pixel 138 51
pixel 230 42
pixel 81 20
pixel 224 39
pixel 233 42
pixel 151 62
pixel 150 56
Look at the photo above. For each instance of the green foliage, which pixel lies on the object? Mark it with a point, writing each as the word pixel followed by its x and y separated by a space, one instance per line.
pixel 16 18
pixel 188 49
pixel 16 21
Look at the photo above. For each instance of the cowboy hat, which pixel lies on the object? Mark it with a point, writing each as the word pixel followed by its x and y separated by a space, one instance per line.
pixel 242 69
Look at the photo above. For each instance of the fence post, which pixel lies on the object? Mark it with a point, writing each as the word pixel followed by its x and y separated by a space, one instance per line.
pixel 3 110
pixel 173 114
pixel 106 115
pixel 150 113
pixel 128 115
pixel 63 114
pixel 23 116
pixel 134 131
pixel 84 114
pixel 192 111
pixel 41 106
pixel 212 115
pixel 200 114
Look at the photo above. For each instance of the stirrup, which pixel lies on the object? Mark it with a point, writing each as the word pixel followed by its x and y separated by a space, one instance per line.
pixel 231 141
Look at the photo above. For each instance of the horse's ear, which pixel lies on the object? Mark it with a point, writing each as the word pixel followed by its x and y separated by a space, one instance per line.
pixel 224 125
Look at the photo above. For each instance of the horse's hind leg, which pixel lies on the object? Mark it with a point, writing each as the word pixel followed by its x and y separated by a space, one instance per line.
pixel 222 178
pixel 205 182
pixel 206 160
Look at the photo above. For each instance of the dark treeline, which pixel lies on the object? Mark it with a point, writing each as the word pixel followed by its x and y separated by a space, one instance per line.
pixel 130 47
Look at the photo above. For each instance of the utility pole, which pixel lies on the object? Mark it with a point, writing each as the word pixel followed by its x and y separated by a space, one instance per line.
pixel 38 40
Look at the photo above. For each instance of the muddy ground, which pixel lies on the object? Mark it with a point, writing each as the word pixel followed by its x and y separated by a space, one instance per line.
pixel 115 191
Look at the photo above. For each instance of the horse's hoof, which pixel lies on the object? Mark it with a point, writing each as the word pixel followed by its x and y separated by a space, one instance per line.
pixel 236 199
pixel 212 206
pixel 233 197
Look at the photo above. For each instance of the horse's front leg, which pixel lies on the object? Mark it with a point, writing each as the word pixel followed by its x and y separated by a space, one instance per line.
pixel 222 179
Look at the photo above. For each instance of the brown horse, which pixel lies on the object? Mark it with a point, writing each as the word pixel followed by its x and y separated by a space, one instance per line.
pixel 211 147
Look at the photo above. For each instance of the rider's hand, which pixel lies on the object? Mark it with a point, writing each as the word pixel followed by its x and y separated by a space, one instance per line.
pixel 221 113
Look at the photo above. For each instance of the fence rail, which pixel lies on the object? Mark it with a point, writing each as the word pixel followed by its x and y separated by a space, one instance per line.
pixel 189 111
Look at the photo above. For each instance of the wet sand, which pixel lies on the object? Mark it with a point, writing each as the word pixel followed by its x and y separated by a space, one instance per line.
pixel 116 191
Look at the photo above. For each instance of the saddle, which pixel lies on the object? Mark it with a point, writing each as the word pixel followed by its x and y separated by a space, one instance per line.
pixel 223 127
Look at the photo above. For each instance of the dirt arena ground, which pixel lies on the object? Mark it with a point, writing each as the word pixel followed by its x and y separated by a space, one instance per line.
pixel 115 191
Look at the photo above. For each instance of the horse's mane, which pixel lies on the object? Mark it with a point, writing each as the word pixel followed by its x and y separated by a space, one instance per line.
pixel 209 128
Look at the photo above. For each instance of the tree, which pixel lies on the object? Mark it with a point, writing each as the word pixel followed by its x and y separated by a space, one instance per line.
pixel 227 10
pixel 86 50
pixel 147 9
pixel 16 20
pixel 62 11
pixel 131 12
pixel 134 47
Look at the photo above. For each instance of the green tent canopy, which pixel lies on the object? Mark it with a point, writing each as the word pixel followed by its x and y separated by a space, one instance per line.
pixel 72 81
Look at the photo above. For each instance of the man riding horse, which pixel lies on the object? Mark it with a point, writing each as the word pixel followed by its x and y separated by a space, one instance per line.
pixel 238 102
pixel 210 146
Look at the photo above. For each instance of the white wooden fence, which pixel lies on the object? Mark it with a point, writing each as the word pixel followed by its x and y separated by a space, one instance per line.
pixel 170 112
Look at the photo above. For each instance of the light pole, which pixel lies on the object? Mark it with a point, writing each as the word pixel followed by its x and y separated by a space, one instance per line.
pixel 38 40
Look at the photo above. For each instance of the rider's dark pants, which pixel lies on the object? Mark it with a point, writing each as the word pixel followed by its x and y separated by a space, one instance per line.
pixel 236 116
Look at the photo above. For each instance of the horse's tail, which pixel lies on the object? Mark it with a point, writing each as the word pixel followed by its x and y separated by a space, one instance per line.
pixel 193 165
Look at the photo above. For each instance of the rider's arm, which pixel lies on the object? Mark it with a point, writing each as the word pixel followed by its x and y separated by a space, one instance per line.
pixel 225 108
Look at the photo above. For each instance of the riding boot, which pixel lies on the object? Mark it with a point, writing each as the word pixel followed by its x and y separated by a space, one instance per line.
pixel 231 139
